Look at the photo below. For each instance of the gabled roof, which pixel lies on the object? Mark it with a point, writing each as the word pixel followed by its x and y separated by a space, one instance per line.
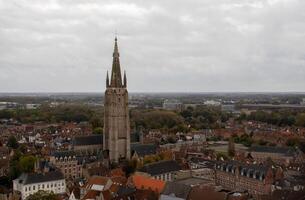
pixel 59 154
pixel 143 149
pixel 161 167
pixel 76 192
pixel 88 140
pixel 255 171
pixel 30 178
pixel 98 171
pixel 280 150
pixel 96 181
pixel 142 182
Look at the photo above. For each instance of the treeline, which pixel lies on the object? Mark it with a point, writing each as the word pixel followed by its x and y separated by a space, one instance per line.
pixel 21 161
pixel 166 121
pixel 68 113
pixel 201 117
pixel 279 118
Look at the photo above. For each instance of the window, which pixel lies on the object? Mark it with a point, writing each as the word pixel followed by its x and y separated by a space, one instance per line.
pixel 33 187
pixel 26 189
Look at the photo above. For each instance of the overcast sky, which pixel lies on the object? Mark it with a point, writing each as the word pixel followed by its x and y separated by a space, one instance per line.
pixel 165 45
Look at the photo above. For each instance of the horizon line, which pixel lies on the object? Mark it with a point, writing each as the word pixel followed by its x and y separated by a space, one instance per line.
pixel 154 92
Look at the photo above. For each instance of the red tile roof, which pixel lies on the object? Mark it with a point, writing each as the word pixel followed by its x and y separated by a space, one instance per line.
pixel 142 182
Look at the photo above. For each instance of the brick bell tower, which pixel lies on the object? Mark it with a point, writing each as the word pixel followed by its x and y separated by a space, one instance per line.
pixel 116 137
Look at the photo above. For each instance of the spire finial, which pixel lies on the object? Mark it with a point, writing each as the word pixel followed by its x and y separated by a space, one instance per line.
pixel 116 35
pixel 116 49
pixel 116 79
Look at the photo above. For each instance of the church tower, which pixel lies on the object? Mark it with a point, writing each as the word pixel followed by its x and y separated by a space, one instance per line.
pixel 116 137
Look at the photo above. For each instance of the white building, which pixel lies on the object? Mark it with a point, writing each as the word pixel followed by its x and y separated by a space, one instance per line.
pixel 172 104
pixel 30 183
pixel 31 106
pixel 212 103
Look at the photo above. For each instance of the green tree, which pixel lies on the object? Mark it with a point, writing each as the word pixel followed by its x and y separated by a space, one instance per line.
pixel 27 163
pixel 42 195
pixel 98 130
pixel 14 170
pixel 21 163
pixel 300 119
pixel 12 142
pixel 6 114
pixel 292 142
pixel 96 122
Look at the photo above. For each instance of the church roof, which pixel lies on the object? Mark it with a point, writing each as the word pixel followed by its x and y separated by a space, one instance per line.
pixel 279 150
pixel 161 167
pixel 143 149
pixel 88 140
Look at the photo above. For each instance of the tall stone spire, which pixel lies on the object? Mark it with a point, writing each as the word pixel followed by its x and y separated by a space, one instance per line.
pixel 116 77
pixel 116 135
pixel 125 80
pixel 107 80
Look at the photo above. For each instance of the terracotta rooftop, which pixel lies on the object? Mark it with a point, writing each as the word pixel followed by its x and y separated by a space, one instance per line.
pixel 121 180
pixel 142 182
pixel 117 172
pixel 96 180
pixel 91 194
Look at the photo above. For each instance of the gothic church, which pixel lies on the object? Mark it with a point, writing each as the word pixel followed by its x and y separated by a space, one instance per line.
pixel 116 137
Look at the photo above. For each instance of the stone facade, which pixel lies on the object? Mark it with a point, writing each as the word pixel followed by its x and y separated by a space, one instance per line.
pixel 235 176
pixel 67 163
pixel 88 145
pixel 28 184
pixel 279 155
pixel 116 115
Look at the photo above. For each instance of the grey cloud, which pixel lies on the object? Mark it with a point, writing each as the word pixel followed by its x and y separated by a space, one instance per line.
pixel 175 45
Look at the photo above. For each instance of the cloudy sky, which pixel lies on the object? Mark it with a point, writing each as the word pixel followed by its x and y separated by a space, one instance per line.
pixel 165 45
